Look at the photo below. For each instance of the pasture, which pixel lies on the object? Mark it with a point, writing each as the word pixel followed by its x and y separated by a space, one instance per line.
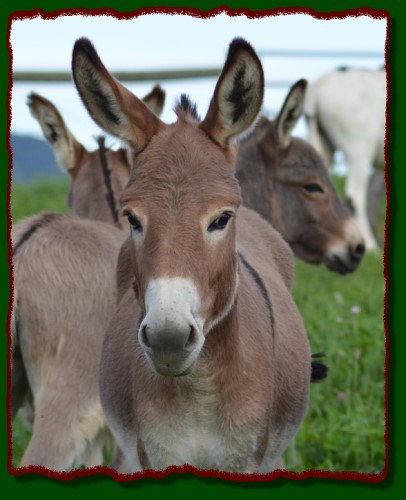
pixel 344 428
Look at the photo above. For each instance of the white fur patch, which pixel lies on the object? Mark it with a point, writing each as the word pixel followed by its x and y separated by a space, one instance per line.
pixel 174 300
pixel 173 304
pixel 352 238
pixel 198 439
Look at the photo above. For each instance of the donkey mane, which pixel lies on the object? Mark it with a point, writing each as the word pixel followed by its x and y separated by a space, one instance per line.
pixel 110 198
pixel 185 108
pixel 259 281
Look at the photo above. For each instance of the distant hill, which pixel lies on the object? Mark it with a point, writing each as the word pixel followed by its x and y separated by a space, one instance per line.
pixel 32 158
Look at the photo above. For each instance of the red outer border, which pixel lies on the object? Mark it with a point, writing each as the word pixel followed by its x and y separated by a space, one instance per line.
pixel 194 12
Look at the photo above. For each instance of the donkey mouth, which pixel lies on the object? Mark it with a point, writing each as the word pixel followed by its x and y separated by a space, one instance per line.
pixel 169 368
pixel 339 266
pixel 304 252
pixel 175 363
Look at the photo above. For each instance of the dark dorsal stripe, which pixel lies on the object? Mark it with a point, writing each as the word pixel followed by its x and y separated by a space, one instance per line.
pixel 41 221
pixel 111 201
pixel 258 280
pixel 318 370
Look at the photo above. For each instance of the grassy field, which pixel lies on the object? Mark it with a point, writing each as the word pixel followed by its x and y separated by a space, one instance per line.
pixel 38 196
pixel 344 428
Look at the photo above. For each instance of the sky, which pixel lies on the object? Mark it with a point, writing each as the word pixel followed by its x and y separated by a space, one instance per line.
pixel 163 41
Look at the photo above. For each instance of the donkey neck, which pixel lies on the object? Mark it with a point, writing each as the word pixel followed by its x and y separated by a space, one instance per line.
pixel 242 340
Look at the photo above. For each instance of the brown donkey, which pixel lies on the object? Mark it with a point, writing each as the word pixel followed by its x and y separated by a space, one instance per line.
pixel 197 362
pixel 285 180
pixel 64 296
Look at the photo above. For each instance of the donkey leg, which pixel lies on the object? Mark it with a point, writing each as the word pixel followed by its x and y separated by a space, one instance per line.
pixel 62 433
pixel 19 381
pixel 19 384
pixel 93 454
pixel 279 464
pixel 376 189
pixel 55 452
pixel 356 192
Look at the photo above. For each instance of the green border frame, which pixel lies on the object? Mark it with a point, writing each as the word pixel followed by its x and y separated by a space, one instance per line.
pixel 14 486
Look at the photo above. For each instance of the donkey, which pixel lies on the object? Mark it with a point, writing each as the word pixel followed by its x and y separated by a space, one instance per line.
pixel 345 110
pixel 196 364
pixel 285 180
pixel 61 264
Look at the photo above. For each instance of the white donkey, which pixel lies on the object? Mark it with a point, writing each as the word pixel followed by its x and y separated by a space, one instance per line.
pixel 345 110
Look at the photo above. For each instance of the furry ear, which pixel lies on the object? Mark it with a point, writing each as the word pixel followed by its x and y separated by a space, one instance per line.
pixel 155 100
pixel 290 113
pixel 238 95
pixel 67 150
pixel 110 104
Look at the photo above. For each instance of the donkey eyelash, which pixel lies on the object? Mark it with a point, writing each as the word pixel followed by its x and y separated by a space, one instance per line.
pixel 313 187
pixel 220 222
pixel 133 220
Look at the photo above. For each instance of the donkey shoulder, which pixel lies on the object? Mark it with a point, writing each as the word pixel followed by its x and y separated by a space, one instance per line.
pixel 260 243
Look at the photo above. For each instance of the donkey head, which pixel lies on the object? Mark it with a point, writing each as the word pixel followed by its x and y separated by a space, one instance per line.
pixel 181 200
pixel 285 179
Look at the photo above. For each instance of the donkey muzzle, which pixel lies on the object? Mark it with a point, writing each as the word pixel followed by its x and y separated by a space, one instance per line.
pixel 170 348
pixel 171 333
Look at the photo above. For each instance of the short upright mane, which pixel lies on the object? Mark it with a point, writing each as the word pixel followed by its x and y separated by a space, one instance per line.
pixel 185 108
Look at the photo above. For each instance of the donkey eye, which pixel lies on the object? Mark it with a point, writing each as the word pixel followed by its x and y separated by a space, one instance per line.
pixel 313 187
pixel 134 223
pixel 220 223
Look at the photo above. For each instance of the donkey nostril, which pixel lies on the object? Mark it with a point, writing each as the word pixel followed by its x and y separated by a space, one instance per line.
pixel 359 250
pixel 144 336
pixel 192 339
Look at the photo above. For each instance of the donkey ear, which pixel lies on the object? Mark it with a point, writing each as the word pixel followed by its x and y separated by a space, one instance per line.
pixel 155 100
pixel 111 105
pixel 290 113
pixel 67 150
pixel 238 95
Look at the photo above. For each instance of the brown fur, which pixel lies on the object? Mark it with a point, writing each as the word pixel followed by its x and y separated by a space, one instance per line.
pixel 238 403
pixel 55 345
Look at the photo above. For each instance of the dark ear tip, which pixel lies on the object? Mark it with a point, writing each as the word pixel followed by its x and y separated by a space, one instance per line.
pixel 302 84
pixel 31 97
pixel 84 45
pixel 34 99
pixel 158 91
pixel 238 44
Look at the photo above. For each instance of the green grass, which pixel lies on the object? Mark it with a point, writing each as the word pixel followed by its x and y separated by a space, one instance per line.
pixel 344 427
pixel 38 196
